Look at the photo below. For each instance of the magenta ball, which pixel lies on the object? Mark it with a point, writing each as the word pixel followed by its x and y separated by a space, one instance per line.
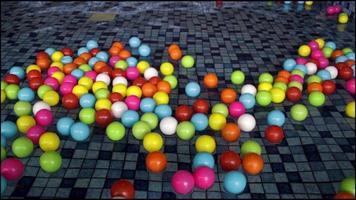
pixel 330 10
pixel 350 86
pixel 204 177
pixel 44 117
pixel 70 79
pixel 50 81
pixel 12 168
pixel 323 62
pixel 313 45
pixel 113 60
pixel 317 54
pixel 182 182
pixel 236 109
pixel 132 73
pixel 34 133
pixel 296 77
pixel 337 9
pixel 91 74
pixel 301 61
pixel 51 70
pixel 66 88
pixel 132 102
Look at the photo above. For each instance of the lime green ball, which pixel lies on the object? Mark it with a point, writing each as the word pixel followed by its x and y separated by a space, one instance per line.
pixel 3 153
pixel 42 90
pixel 185 130
pixel 22 147
pixel 22 108
pixel 220 108
pixel 296 84
pixel 188 61
pixel 327 52
pixel 151 119
pixel 85 67
pixel 316 98
pixel 87 115
pixel 50 161
pixel 280 85
pixel 140 129
pixel 237 77
pixel 263 98
pixel 347 50
pixel 250 146
pixel 172 80
pixel 348 185
pixel 265 77
pixel 3 85
pixel 299 112
pixel 115 131
pixel 102 93
pixel 298 72
pixel 121 64
pixel 313 79
pixel 11 91
pixel 3 96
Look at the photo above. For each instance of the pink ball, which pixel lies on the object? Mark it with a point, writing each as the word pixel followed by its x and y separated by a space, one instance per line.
pixel 66 88
pixel 204 177
pixel 323 62
pixel 296 77
pixel 70 79
pixel 182 182
pixel 132 73
pixel 44 117
pixel 113 60
pixel 132 102
pixel 34 133
pixel 330 10
pixel 50 81
pixel 236 109
pixel 91 74
pixel 337 9
pixel 12 168
pixel 51 70
pixel 317 54
pixel 350 86
pixel 301 61
pixel 313 45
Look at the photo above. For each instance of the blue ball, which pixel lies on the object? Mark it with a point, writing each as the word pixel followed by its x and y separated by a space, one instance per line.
pixel 78 73
pixel 103 56
pixel 8 129
pixel 203 159
pixel 131 61
pixel 134 42
pixel 324 74
pixel 64 124
pixel 341 59
pixel 79 131
pixel 82 50
pixel 287 2
pixel 331 45
pixel 18 71
pixel 276 117
pixel 3 141
pixel 87 100
pixel 92 61
pixel 350 56
pixel 66 59
pixel 129 118
pixel 163 111
pixel 26 94
pixel 234 182
pixel 300 2
pixel 248 100
pixel 147 105
pixel 192 89
pixel 302 68
pixel 50 51
pixel 200 121
pixel 289 64
pixel 91 44
pixel 3 184
pixel 144 50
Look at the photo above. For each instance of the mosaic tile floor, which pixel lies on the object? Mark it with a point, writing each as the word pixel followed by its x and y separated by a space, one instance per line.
pixel 254 37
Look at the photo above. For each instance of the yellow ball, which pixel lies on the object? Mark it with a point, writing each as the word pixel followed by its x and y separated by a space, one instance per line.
pixel 142 66
pixel 304 50
pixel 79 90
pixel 350 109
pixel 309 3
pixel 103 104
pixel 59 65
pixel 33 67
pixel 49 141
pixel 57 56
pixel 51 98
pixel 24 123
pixel 217 121
pixel 134 90
pixel 3 96
pixel 321 42
pixel 161 98
pixel 167 68
pixel 205 143
pixel 278 95
pixel 98 85
pixel 120 88
pixel 86 82
pixel 152 142
pixel 59 76
pixel 264 86
pixel 343 18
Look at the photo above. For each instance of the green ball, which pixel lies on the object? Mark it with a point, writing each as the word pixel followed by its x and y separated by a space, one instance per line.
pixel 185 130
pixel 263 98
pixel 316 98
pixel 348 185
pixel 42 90
pixel 188 61
pixel 11 91
pixel 172 80
pixel 220 108
pixel 121 64
pixel 296 84
pixel 237 77
pixel 140 129
pixel 265 77
pixel 327 52
pixel 22 147
pixel 299 112
pixel 298 72
pixel 22 108
pixel 151 119
pixel 347 50
pixel 313 79
pixel 87 115
pixel 3 85
pixel 115 131
pixel 50 161
pixel 3 153
pixel 102 93
pixel 250 146
pixel 85 67
pixel 280 85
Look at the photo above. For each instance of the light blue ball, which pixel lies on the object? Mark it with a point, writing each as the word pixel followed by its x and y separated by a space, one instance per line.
pixel 324 74
pixel 302 68
pixel 192 89
pixel 3 184
pixel 200 121
pixel 103 56
pixel 144 50
pixel 350 56
pixel 82 50
pixel 131 61
pixel 79 131
pixel 66 59
pixel 234 182
pixel 287 2
pixel 8 129
pixel 134 42
pixel 248 100
pixel 64 124
pixel 50 51
pixel 3 141
pixel 147 105
pixel 26 94
pixel 87 100
pixel 129 118
pixel 289 64
pixel 300 2
pixel 341 59
pixel 91 44
pixel 18 71
pixel 163 111
pixel 276 117
pixel 331 45
pixel 92 61
pixel 78 73
pixel 203 159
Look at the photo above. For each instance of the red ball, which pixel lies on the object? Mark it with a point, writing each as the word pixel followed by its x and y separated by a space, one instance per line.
pixel 67 51
pixel 94 51
pixel 340 65
pixel 33 74
pixel 107 70
pixel 35 83
pixel 183 113
pixel 139 81
pixel 115 96
pixel 70 101
pixel 154 80
pixel 201 106
pixel 274 134
pixel 122 189
pixel 42 55
pixel 118 72
pixel 329 87
pixel 12 79
pixel 345 73
pixel 294 94
pixel 344 195
pixel 103 117
pixel 230 160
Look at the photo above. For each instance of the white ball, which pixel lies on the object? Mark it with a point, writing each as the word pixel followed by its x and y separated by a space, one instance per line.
pixel 168 125
pixel 39 106
pixel 246 122
pixel 103 77
pixel 150 72
pixel 333 71
pixel 119 80
pixel 118 108
pixel 249 88
pixel 311 68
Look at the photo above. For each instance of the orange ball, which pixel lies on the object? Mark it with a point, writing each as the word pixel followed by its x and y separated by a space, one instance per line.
pixel 175 54
pixel 313 87
pixel 230 132
pixel 173 47
pixel 281 79
pixel 350 63
pixel 284 73
pixel 99 65
pixel 228 95
pixel 164 86
pixel 211 80
pixel 344 195
pixel 68 68
pixel 336 54
pixel 118 45
pixel 114 51
pixel 124 54
pixel 156 161
pixel 43 63
pixel 86 56
pixel 252 163
pixel 79 61
pixel 148 89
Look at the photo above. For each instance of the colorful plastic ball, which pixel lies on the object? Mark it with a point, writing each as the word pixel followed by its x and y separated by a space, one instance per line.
pixel 172 80
pixel 221 109
pixel 26 94
pixel 121 64
pixel 263 98
pixel 324 74
pixel 211 80
pixel 132 73
pixel 3 184
pixel 132 102
pixel 350 109
pixel 39 106
pixel 345 73
pixel 264 86
pixel 134 42
pixel 3 141
pixel 142 65
pixel 50 51
pixel 152 142
pixel 205 143
pixel 11 91
pixel 103 56
pixel 50 161
pixel 274 134
pixel 51 98
pixel 201 106
pixel 44 117
pixel 64 124
pixel 57 56
pixel 187 61
pixel 118 108
pixel 183 113
pixel 115 131
pixel 299 112
pixel 265 77
pixel 204 177
pixel 304 50
pixel 22 108
pixel 348 185
pixel 234 182
pixel 12 79
pixel 217 121
pixel 313 79
pixel 34 133
pixel 276 117
pixel 246 122
pixel 120 80
pixel 289 64
pixel 122 189
pixel 185 130
pixel 228 95
pixel 91 44
pixel 24 123
pixel 87 100
pixel 70 101
pixel 293 94
pixel 250 146
pixel 151 119
pixel 249 88
pixel 203 159
pixel 103 117
pixel 200 121
pixel 49 141
pixel 236 109
pixel 296 84
pixel 230 132
pixel 131 62
pixel 280 85
pixel 192 89
pixel 237 77
pixel 350 56
pixel 22 147
pixel 79 131
pixel 87 115
pixel 350 86
pixel 333 71
pixel 168 125
pixel 147 105
pixel 103 104
pixel 329 87
pixel 182 182
pixel 140 129
pixel 311 68
pixel 12 169
pixel 129 118
pixel 163 111
pixel 316 98
pixel 8 129
pixel 167 68
pixel 156 161
pixel 343 195
pixel 144 50
pixel 252 163
pixel 150 72
pixel 230 160
pixel 296 77
pixel 18 71
pixel 343 18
